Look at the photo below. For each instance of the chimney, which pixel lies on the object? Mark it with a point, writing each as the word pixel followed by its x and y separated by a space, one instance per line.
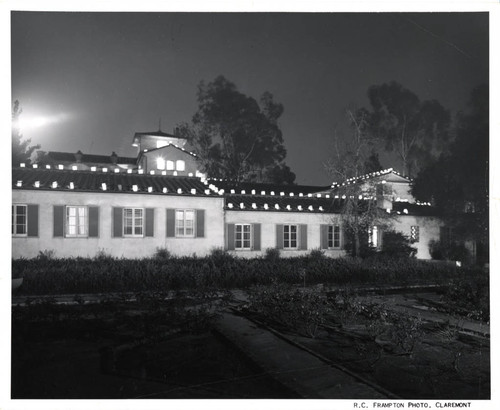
pixel 176 131
pixel 79 156
pixel 114 157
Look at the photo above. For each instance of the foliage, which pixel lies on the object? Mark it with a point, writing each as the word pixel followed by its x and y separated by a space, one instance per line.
pixel 272 254
pixel 459 179
pixel 301 310
pixel 412 128
pixel 237 138
pixel 353 157
pixel 397 245
pixel 107 274
pixel 21 149
pixel 162 254
pixel 469 296
pixel 451 251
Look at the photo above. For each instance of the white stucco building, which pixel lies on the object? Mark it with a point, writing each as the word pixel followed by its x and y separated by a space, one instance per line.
pixel 81 205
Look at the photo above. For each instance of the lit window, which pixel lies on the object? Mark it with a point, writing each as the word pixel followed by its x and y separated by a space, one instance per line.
pixel 243 234
pixel 415 234
pixel 180 165
pixel 133 221
pixel 170 165
pixel 290 236
pixel 19 220
pixel 333 236
pixel 160 163
pixel 76 221
pixel 160 144
pixel 373 237
pixel 184 223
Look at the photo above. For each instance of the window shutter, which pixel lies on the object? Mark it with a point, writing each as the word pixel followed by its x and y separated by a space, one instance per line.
pixel 279 236
pixel 256 237
pixel 93 221
pixel 200 223
pixel 323 231
pixel 230 237
pixel 58 220
pixel 150 221
pixel 303 236
pixel 380 235
pixel 32 220
pixel 117 222
pixel 170 223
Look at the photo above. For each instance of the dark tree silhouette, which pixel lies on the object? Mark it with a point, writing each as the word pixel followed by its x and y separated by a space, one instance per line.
pixel 457 181
pixel 415 130
pixel 352 158
pixel 237 138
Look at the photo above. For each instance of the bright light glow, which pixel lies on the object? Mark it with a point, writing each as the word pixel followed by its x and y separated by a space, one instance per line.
pixel 29 122
pixel 160 163
pixel 160 144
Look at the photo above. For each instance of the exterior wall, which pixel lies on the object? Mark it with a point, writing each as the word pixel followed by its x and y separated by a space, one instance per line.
pixel 428 230
pixel 118 247
pixel 269 220
pixel 149 160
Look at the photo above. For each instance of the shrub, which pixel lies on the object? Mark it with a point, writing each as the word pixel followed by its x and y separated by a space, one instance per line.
pixel 452 251
pixel 469 296
pixel 272 254
pixel 162 254
pixel 397 245
pixel 219 270
pixel 46 255
pixel 300 310
pixel 316 254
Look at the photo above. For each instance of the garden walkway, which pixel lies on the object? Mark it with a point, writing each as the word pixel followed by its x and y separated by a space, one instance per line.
pixel 293 367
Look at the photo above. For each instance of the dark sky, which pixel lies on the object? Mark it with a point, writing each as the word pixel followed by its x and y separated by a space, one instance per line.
pixel 89 81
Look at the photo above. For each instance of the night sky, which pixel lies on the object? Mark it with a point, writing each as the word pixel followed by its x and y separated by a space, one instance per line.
pixel 89 81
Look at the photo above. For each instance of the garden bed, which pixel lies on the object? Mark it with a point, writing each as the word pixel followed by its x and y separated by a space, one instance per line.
pixel 44 275
pixel 112 350
pixel 411 357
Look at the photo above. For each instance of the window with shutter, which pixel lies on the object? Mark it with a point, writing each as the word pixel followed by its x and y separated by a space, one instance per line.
pixel 20 220
pixel 133 222
pixel 76 222
pixel 333 236
pixel 243 236
pixel 290 237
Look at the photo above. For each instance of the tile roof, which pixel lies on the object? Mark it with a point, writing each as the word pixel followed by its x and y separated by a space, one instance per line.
pixel 259 188
pixel 371 175
pixel 282 203
pixel 88 158
pixel 92 181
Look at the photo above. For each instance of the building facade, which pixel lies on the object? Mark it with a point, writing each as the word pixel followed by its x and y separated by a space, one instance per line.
pixel 83 205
